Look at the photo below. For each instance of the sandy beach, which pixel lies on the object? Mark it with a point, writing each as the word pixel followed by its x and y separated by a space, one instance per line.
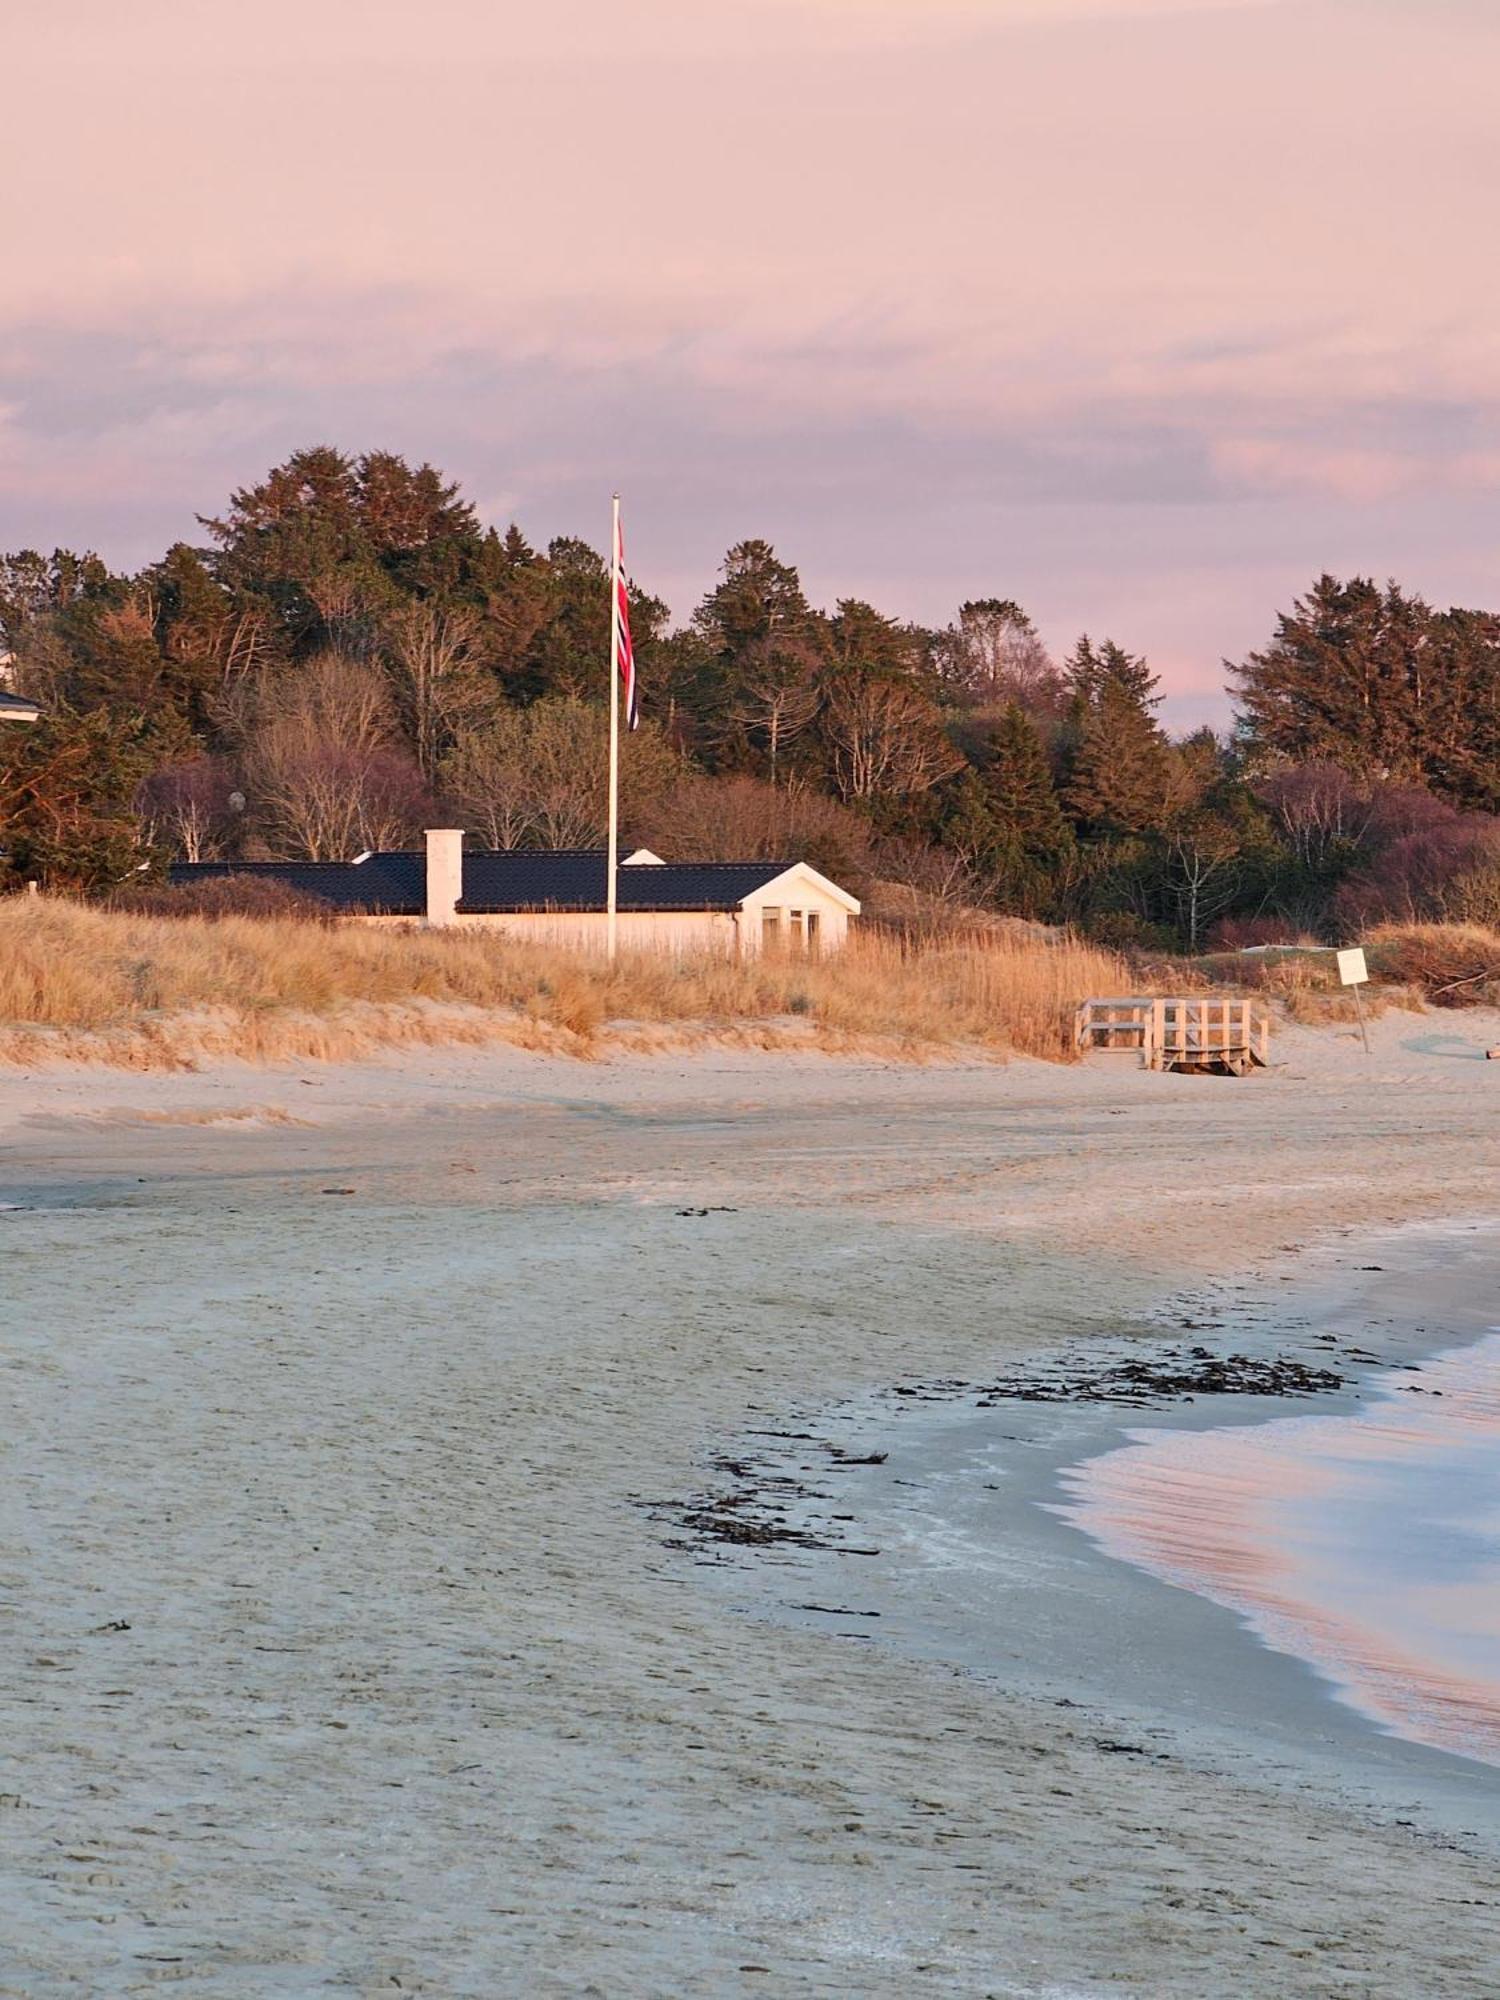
pixel 345 1650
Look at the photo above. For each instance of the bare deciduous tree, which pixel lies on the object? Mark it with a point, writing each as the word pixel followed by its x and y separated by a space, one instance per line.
pixel 538 776
pixel 326 803
pixel 323 764
pixel 186 807
pixel 438 688
pixel 777 698
pixel 885 738
pixel 1319 809
pixel 699 818
pixel 993 656
pixel 1203 870
pixel 333 699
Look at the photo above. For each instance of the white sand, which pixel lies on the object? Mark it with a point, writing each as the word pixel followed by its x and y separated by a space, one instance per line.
pixel 412 1697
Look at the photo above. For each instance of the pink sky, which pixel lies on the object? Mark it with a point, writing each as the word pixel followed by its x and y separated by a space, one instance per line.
pixel 1140 311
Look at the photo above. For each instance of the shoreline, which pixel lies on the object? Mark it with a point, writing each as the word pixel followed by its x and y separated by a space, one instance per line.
pixel 347 1652
pixel 950 1491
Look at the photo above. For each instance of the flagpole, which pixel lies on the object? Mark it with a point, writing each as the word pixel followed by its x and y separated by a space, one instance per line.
pixel 612 864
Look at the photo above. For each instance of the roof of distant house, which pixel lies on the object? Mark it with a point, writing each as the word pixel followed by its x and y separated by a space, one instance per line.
pixel 17 707
pixel 521 879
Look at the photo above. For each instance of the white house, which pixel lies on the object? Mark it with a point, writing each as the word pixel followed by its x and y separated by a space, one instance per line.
pixel 14 707
pixel 558 897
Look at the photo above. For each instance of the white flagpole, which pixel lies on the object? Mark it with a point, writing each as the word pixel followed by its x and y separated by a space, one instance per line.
pixel 613 862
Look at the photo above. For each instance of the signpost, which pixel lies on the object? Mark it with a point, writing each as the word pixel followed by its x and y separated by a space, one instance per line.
pixel 1354 972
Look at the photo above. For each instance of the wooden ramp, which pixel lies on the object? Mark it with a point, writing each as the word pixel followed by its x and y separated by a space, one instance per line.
pixel 1205 1032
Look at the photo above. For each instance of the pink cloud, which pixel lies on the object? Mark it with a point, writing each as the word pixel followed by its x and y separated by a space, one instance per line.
pixel 1070 287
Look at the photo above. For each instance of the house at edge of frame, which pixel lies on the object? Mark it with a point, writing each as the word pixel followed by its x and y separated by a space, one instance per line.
pixel 14 706
pixel 558 897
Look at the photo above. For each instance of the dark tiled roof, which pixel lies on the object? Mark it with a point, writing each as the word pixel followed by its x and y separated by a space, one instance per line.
pixel 16 704
pixel 525 880
pixel 394 884
pixel 389 885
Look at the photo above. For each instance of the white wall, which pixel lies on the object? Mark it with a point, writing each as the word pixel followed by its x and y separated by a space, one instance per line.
pixel 789 899
pixel 676 932
pixel 671 931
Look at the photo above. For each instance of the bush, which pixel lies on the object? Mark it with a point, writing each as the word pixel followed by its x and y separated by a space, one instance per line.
pixel 1124 930
pixel 1245 933
pixel 223 896
pixel 1474 897
pixel 1453 965
pixel 1418 847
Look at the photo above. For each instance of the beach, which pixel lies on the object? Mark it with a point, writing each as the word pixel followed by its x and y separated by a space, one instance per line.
pixel 351 1646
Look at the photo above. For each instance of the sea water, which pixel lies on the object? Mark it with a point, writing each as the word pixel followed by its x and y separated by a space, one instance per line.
pixel 1365 1542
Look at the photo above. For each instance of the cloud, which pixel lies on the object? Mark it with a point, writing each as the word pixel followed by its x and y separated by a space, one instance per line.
pixel 1140 310
pixel 925 16
pixel 1175 520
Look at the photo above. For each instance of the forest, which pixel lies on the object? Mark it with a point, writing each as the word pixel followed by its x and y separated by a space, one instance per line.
pixel 351 655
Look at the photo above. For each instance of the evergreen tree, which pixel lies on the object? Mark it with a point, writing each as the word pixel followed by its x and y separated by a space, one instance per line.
pixel 570 652
pixel 1019 785
pixel 1005 817
pixel 1090 670
pixel 510 588
pixel 1118 766
pixel 763 647
pixel 68 791
pixel 862 641
pixel 1373 680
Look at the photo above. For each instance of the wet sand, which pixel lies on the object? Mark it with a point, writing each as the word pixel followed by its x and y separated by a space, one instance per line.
pixel 344 1654
pixel 1159 1566
pixel 1364 1543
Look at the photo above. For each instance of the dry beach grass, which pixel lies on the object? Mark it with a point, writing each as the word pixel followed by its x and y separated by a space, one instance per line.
pixel 163 992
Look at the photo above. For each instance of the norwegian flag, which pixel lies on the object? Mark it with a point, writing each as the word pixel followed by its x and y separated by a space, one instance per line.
pixel 626 657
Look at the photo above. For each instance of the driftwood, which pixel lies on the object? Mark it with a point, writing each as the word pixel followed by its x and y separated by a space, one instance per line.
pixel 1452 986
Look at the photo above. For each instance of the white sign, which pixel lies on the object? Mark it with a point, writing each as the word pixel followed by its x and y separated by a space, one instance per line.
pixel 1352 968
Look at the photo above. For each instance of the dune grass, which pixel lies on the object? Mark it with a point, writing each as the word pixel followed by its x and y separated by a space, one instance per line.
pixel 1450 965
pixel 82 983
pixel 1411 965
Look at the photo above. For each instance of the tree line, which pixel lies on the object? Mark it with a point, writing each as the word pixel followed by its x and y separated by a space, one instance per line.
pixel 350 656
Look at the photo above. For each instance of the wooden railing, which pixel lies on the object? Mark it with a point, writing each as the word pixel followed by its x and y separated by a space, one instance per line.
pixel 1211 1031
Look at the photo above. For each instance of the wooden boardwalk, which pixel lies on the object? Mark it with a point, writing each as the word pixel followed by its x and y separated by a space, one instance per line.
pixel 1206 1032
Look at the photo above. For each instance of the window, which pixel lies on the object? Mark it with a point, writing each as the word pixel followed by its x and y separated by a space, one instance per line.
pixel 770 930
pixel 813 928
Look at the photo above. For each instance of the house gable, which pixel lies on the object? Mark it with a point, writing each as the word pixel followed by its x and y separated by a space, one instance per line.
pixel 799 875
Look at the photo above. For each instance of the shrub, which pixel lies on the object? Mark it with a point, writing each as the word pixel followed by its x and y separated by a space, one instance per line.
pixel 1452 965
pixel 1244 933
pixel 1474 896
pixel 223 896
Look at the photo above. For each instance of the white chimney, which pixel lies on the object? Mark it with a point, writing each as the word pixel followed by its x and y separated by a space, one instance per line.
pixel 445 873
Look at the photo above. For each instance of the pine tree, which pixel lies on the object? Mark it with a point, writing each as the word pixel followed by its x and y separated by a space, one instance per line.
pixel 1090 670
pixel 1375 681
pixel 763 650
pixel 1018 783
pixel 1119 770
